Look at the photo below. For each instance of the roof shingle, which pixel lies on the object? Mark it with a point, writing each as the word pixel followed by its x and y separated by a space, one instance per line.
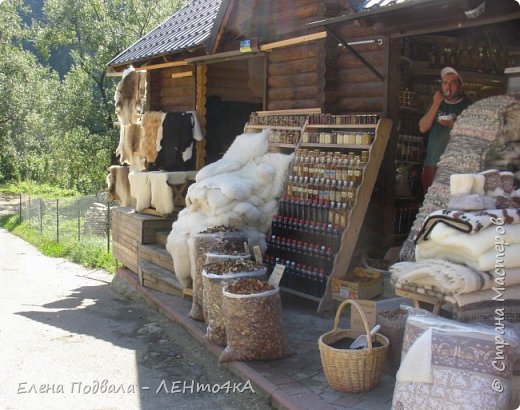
pixel 188 28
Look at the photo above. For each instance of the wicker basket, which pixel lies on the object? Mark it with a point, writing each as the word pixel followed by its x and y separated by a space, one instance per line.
pixel 352 370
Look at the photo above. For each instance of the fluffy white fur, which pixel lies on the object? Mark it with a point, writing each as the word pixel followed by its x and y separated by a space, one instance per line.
pixel 140 189
pixel 242 187
pixel 161 192
pixel 243 150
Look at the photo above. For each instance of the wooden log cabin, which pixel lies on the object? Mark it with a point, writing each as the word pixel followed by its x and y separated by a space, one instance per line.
pixel 228 58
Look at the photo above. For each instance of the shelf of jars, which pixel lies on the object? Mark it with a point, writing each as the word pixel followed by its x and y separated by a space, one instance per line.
pixel 327 193
pixel 286 127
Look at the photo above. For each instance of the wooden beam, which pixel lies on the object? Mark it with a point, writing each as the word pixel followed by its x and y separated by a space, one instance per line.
pixel 162 65
pixel 182 74
pixel 292 41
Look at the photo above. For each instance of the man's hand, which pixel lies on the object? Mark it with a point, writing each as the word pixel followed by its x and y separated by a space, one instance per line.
pixel 446 123
pixel 438 98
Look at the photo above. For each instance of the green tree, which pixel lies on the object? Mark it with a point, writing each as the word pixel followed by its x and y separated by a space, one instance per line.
pixel 95 31
pixel 56 130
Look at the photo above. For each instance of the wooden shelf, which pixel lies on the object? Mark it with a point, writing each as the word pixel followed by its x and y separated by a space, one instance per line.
pixel 350 146
pixel 342 126
pixel 274 127
pixel 279 144
pixel 358 211
pixel 300 294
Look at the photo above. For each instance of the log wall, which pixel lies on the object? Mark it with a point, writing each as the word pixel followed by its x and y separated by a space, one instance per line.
pixel 239 80
pixel 296 76
pixel 351 86
pixel 172 94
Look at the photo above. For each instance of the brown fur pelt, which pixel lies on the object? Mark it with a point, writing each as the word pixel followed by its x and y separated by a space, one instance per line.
pixel 118 185
pixel 130 96
pixel 151 124
pixel 129 147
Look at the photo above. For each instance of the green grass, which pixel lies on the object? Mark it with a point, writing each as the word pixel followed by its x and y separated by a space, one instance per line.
pixel 90 252
pixel 37 190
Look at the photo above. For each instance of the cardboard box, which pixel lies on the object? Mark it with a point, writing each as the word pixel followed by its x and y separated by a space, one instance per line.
pixel 369 288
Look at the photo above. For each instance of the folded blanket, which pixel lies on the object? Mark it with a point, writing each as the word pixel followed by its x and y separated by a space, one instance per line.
pixel 447 278
pixel 471 202
pixel 459 375
pixel 463 299
pixel 486 311
pixel 469 246
pixel 509 258
pixel 469 222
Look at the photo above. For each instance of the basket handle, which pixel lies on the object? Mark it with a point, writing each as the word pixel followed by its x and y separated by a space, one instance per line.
pixel 361 313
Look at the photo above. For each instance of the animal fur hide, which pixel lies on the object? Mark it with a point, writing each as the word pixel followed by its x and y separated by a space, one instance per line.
pixel 151 124
pixel 130 96
pixel 241 189
pixel 162 194
pixel 140 189
pixel 119 185
pixel 128 149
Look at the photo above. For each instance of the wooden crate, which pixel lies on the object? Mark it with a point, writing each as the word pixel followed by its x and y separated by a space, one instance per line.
pixel 345 289
pixel 131 229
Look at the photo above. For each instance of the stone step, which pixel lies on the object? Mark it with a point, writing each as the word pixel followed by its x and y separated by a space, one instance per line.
pixel 161 237
pixel 156 254
pixel 157 278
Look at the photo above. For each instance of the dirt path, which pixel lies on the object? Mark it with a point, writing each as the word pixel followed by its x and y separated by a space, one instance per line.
pixel 69 342
pixel 9 204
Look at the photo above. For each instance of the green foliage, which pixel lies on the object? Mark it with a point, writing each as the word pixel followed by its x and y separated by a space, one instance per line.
pixel 32 188
pixel 60 130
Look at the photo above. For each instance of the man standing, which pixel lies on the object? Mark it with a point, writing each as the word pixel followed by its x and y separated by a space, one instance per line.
pixel 447 104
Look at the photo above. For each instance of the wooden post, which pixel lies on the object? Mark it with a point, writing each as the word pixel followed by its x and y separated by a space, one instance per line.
pixel 357 214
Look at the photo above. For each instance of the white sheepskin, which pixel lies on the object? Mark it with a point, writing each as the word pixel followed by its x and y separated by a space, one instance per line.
pixel 244 149
pixel 161 192
pixel 140 189
pixel 240 189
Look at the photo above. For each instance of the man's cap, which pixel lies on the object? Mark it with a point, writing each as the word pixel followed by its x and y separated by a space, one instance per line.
pixel 450 70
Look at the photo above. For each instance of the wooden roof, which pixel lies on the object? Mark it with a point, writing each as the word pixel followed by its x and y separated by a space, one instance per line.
pixel 194 25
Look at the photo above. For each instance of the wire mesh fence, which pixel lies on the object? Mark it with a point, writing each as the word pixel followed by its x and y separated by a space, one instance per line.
pixel 80 219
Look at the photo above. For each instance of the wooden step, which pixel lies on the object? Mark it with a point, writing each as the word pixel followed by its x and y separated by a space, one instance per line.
pixel 156 254
pixel 157 278
pixel 161 237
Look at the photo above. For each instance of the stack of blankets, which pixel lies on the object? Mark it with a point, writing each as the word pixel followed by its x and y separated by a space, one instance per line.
pixel 485 136
pixel 470 257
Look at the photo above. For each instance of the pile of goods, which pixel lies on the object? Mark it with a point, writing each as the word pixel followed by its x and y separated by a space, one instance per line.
pixel 252 313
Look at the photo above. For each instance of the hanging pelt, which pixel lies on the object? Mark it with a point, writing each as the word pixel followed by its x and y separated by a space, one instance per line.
pixel 151 124
pixel 130 96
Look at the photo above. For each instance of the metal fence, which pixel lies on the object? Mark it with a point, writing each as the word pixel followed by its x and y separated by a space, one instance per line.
pixel 80 219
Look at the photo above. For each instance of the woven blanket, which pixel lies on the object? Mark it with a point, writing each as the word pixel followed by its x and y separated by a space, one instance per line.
pixel 469 222
pixel 445 277
pixel 461 375
pixel 472 137
pixel 486 312
pixel 463 299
